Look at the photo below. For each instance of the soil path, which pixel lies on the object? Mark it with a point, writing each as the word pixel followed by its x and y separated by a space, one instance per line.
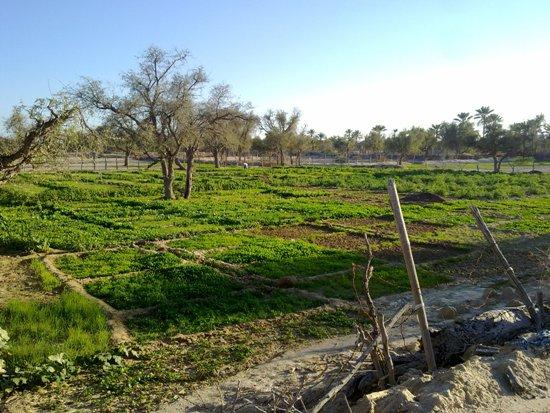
pixel 324 359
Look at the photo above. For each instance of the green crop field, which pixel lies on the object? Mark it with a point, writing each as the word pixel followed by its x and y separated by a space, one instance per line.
pixel 256 246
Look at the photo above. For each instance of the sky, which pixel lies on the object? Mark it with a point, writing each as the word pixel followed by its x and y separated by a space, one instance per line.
pixel 343 64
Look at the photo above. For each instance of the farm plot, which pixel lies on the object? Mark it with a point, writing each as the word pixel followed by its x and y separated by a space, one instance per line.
pixel 248 266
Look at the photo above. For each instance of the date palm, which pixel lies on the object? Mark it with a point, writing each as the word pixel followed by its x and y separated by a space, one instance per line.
pixel 463 117
pixel 481 116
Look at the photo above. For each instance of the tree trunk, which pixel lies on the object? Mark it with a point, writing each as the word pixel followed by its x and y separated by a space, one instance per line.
pixel 282 157
pixel 500 162
pixel 216 154
pixel 400 161
pixel 496 165
pixel 126 158
pixel 189 157
pixel 167 166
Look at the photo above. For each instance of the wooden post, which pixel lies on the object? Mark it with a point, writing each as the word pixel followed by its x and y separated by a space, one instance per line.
pixel 535 316
pixel 105 159
pixel 413 278
pixel 116 162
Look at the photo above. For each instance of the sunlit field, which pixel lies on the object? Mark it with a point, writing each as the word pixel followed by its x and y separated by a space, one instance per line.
pixel 251 245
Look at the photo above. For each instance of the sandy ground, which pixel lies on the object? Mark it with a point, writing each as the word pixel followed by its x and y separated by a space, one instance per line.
pixel 320 362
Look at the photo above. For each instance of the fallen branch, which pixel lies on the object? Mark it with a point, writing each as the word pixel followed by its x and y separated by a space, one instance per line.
pixel 535 315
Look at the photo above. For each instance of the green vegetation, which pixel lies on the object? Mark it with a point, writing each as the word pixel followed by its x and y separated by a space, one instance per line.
pixel 49 281
pixel 105 263
pixel 83 211
pixel 270 257
pixel 215 311
pixel 69 324
pixel 387 279
pixel 164 286
pixel 217 265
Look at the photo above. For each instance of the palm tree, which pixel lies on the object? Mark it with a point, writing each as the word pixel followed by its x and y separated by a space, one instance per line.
pixel 463 117
pixel 311 134
pixel 436 129
pixel 481 116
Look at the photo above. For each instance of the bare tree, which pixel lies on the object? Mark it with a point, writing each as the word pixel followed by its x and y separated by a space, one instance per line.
pixel 155 96
pixel 279 128
pixel 225 123
pixel 204 120
pixel 242 131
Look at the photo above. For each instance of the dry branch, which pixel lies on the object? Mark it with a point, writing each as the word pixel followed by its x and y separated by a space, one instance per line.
pixel 358 362
pixel 535 315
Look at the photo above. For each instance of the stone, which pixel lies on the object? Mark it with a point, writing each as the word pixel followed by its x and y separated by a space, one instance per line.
pixel 448 312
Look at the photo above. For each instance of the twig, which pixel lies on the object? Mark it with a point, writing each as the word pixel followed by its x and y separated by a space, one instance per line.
pixel 358 363
pixel 386 348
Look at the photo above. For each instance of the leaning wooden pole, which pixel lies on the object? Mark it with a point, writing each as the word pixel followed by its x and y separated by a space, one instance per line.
pixel 413 277
pixel 535 315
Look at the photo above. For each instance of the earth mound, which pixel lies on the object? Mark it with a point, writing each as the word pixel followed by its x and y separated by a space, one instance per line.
pixel 422 197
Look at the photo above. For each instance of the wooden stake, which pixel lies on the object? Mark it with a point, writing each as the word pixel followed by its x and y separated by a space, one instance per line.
pixel 413 277
pixel 535 316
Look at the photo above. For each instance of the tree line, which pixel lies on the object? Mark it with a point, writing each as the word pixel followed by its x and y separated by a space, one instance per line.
pixel 164 110
pixel 480 134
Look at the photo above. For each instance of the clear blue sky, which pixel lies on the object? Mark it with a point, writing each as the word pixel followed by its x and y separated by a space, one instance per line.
pixel 343 63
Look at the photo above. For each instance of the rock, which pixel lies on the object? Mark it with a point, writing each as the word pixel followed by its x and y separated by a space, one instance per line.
pixel 287 282
pixel 448 312
pixel 508 293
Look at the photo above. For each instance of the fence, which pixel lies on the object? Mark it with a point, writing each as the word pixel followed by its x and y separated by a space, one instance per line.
pixel 114 162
